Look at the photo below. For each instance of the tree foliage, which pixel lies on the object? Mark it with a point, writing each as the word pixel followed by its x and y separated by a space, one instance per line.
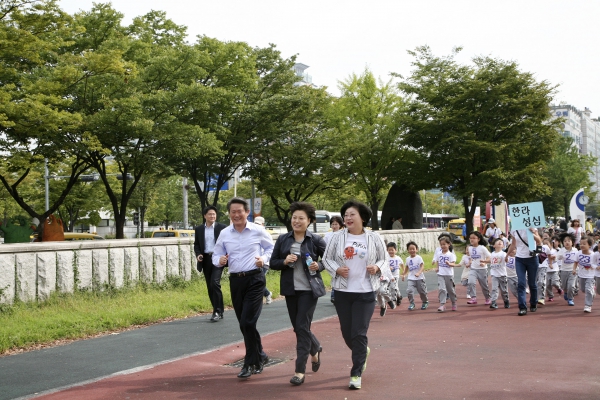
pixel 567 172
pixel 36 75
pixel 370 148
pixel 298 152
pixel 484 130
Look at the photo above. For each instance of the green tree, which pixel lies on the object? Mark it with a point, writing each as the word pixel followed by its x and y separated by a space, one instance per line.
pixel 567 172
pixel 483 130
pixel 240 96
pixel 131 117
pixel 36 116
pixel 166 207
pixel 370 150
pixel 295 162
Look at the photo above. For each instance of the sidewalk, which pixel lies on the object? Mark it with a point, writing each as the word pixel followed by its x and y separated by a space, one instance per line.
pixel 473 353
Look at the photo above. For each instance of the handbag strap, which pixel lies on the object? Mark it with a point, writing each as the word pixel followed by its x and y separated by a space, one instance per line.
pixel 522 240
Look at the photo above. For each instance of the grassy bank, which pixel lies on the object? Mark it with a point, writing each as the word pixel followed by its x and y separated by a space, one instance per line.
pixel 86 314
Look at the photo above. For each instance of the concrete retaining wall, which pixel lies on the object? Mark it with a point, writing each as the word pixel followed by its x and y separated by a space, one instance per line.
pixel 32 271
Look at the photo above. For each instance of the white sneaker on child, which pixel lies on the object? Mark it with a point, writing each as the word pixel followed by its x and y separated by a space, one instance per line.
pixel 468 296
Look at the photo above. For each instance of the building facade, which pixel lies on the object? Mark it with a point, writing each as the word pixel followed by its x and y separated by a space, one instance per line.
pixel 585 132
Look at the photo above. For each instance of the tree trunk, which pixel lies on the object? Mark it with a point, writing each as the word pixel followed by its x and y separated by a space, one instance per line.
pixel 375 211
pixel 469 213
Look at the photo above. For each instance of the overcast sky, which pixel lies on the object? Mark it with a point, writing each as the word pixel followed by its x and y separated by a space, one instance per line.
pixel 556 40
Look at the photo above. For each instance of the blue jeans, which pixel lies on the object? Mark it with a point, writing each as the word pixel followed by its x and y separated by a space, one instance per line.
pixel 527 269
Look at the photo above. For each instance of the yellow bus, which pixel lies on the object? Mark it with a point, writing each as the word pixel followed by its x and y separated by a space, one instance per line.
pixel 455 226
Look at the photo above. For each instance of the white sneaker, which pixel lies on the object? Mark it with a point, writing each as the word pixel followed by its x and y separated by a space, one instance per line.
pixel 269 298
pixel 468 296
pixel 355 382
pixel 587 309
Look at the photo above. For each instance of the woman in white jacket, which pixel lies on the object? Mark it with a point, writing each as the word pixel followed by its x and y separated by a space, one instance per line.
pixel 356 258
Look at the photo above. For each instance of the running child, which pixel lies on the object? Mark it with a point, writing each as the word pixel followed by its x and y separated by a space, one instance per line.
pixel 465 262
pixel 584 267
pixel 416 278
pixel 384 293
pixel 512 280
pixel 498 272
pixel 542 269
pixel 567 256
pixel 480 256
pixel 446 262
pixel 395 264
pixel 552 274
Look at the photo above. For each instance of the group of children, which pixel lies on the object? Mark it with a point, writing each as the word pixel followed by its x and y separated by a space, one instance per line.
pixel 561 261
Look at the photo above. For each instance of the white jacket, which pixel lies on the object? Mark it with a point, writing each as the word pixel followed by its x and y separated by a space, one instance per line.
pixel 376 255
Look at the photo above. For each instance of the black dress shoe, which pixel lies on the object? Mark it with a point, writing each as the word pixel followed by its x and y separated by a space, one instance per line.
pixel 264 360
pixel 257 369
pixel 533 309
pixel 316 364
pixel 522 311
pixel 216 317
pixel 246 372
pixel 297 381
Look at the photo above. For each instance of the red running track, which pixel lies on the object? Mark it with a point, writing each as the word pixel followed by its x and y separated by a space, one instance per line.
pixel 472 353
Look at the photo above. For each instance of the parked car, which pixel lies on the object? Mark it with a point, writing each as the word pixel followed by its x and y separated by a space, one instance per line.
pixel 170 233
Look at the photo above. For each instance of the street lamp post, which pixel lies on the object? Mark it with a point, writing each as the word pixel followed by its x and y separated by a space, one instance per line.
pixel 47 184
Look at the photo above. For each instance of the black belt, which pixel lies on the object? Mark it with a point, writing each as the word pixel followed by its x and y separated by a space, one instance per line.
pixel 245 273
pixel 209 254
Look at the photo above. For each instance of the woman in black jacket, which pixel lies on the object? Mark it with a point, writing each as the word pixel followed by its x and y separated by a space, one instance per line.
pixel 301 284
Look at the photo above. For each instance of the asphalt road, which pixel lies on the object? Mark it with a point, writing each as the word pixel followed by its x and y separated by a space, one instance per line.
pixel 28 374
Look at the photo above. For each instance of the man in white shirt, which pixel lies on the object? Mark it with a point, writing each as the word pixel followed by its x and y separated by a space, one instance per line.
pixel 204 242
pixel 246 247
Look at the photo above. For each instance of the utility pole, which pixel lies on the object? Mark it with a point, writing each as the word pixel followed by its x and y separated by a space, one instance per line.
pixel 185 202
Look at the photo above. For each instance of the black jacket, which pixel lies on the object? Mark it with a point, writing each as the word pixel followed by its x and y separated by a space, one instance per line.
pixel 312 244
pixel 199 241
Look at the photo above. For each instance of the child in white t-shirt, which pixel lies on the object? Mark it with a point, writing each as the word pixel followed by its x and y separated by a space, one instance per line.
pixel 552 275
pixel 465 262
pixel 480 256
pixel 498 272
pixel 512 280
pixel 416 278
pixel 446 262
pixel 542 270
pixel 567 255
pixel 396 266
pixel 585 267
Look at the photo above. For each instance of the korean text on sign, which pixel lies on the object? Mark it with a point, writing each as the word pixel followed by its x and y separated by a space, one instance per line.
pixel 527 215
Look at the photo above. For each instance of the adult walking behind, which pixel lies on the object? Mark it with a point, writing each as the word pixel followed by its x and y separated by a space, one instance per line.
pixel 356 258
pixel 247 247
pixel 301 283
pixel 526 264
pixel 204 244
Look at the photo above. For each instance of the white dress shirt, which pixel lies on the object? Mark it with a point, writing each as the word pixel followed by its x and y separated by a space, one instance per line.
pixel 243 247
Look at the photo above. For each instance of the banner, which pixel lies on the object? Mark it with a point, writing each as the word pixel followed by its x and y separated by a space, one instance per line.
pixel 525 216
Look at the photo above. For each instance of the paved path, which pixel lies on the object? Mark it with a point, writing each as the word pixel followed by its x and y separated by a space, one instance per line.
pixel 469 354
